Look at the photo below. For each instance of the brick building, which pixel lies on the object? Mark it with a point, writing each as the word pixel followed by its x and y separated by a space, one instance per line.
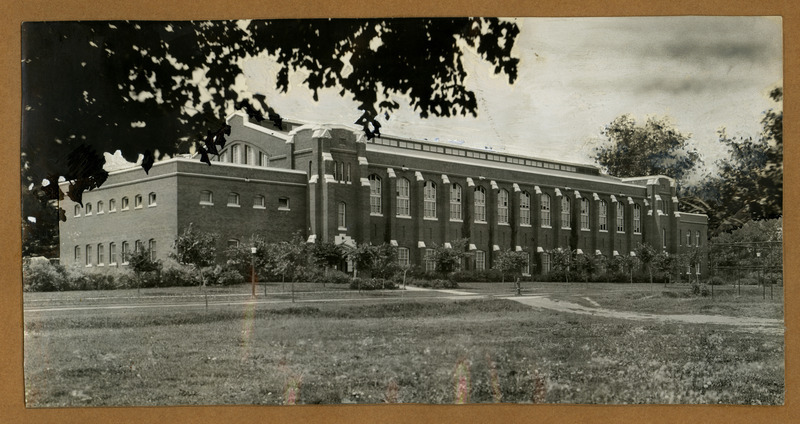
pixel 328 182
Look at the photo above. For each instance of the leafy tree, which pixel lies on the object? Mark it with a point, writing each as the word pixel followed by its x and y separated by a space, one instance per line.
pixel 656 148
pixel 586 265
pixel 448 259
pixel 511 262
pixel 561 260
pixel 749 184
pixel 663 263
pixel 290 258
pixel 197 249
pixel 385 265
pixel 362 256
pixel 155 88
pixel 327 254
pixel 142 263
pixel 646 254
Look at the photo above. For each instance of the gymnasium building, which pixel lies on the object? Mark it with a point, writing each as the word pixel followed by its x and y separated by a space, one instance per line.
pixel 329 183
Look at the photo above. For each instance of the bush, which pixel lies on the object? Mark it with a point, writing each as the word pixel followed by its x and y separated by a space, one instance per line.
pixel 438 284
pixel 42 276
pixel 178 277
pixel 334 277
pixel 371 284
pixel 489 275
pixel 716 281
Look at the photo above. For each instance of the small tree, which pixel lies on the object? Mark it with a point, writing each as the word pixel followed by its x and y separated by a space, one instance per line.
pixel 586 265
pixel 197 249
pixel 384 264
pixel 646 254
pixel 511 262
pixel 327 254
pixel 663 263
pixel 448 259
pixel 561 259
pixel 363 256
pixel 141 264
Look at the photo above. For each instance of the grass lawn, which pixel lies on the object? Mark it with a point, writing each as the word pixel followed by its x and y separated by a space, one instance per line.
pixel 357 352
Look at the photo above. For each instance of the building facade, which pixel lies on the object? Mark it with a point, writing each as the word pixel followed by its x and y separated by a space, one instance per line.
pixel 328 183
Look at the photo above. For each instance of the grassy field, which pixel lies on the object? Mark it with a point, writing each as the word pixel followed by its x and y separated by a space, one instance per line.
pixel 396 348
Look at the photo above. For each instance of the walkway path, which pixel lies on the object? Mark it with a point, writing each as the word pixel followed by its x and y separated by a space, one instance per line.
pixel 765 325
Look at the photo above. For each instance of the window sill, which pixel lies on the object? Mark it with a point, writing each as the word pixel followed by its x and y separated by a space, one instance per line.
pixel 376 214
pixel 429 219
pixel 284 209
pixel 137 207
pixel 152 206
pixel 586 229
pixel 100 213
pixel 456 220
pixel 260 207
pixel 481 222
pixel 505 224
pixel 403 216
pixel 566 228
pixel 99 265
pixel 525 225
pixel 341 229
pixel 88 266
pixel 603 231
pixel 112 211
pixel 234 206
pixel 205 204
pixel 112 264
pixel 88 214
pixel 547 226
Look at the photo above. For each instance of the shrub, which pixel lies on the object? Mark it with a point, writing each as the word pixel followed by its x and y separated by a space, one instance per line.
pixel 178 277
pixel 371 284
pixel 42 276
pixel 229 277
pixel 489 275
pixel 438 284
pixel 716 281
pixel 334 277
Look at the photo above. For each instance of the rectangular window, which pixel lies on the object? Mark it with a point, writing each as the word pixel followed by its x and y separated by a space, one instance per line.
pixel 429 205
pixel 375 206
pixel 248 151
pixel 402 256
pixel 259 202
pixel 584 214
pixel 100 254
pixel 524 208
pixel 263 160
pixel 637 219
pixel 112 205
pixel 206 198
pixel 545 262
pixel 620 217
pixel 77 254
pixel 455 202
pixel 566 213
pixel 88 255
pixel 502 207
pixel 283 203
pixel 480 260
pixel 697 240
pixel 151 246
pixel 480 205
pixel 342 215
pixel 137 201
pixel 403 200
pixel 603 215
pixel 151 199
pixel 88 208
pixel 545 213
pixel 430 264
pixel 112 253
pixel 233 200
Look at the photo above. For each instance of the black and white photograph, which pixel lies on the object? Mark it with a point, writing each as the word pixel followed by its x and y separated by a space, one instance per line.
pixel 484 210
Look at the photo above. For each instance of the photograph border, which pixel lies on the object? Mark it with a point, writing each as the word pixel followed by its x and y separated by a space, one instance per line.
pixel 12 407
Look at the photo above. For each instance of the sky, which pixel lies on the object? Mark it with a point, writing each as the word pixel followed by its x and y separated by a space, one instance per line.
pixel 577 75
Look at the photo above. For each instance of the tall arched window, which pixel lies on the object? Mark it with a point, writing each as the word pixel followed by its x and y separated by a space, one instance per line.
pixel 603 215
pixel 342 215
pixel 88 255
pixel 236 156
pixel 565 212
pixel 664 238
pixel 584 213
pixel 112 253
pixel 502 207
pixel 480 204
pixel 137 201
pixel 524 208
pixel 112 205
pixel 430 263
pixel 100 207
pixel 403 197
pixel 637 219
pixel 620 217
pixel 429 206
pixel 545 212
pixel 375 195
pixel 125 252
pixel 697 238
pixel 100 254
pixel 455 202
pixel 88 209
pixel 124 204
pixel 545 262
pixel 77 210
pixel 151 199
pixel 77 254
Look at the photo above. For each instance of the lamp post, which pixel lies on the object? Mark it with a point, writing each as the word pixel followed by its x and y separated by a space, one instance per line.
pixel 253 269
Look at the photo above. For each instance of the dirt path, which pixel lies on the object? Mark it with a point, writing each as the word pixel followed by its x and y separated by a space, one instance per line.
pixel 766 325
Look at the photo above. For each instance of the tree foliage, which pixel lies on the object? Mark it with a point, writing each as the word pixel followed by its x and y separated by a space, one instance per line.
pixel 448 259
pixel 511 262
pixel 195 248
pixel 656 148
pixel 749 183
pixel 155 88
pixel 646 255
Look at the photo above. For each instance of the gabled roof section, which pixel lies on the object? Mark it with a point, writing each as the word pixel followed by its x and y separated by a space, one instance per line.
pixel 256 127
